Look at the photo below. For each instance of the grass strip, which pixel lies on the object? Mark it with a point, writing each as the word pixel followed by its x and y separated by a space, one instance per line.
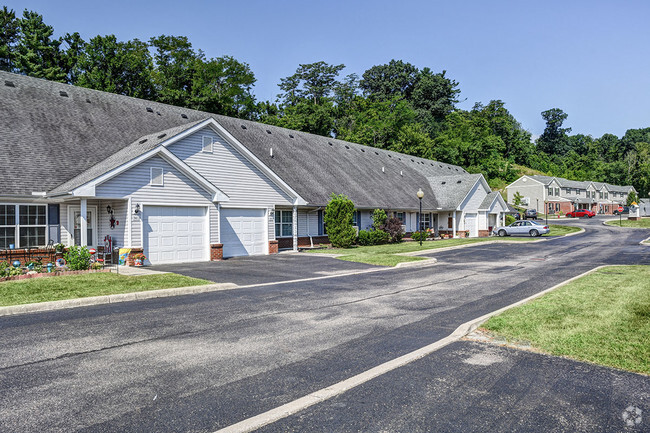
pixel 643 223
pixel 602 318
pixel 81 286
pixel 386 255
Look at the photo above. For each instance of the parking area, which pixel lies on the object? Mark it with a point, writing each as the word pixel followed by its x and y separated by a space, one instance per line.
pixel 265 269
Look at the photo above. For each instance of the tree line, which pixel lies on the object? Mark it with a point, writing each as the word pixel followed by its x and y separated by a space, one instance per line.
pixel 395 106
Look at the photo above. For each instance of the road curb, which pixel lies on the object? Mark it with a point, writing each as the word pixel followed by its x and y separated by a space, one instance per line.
pixel 339 388
pixel 112 299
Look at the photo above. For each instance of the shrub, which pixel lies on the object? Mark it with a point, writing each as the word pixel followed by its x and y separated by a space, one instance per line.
pixel 96 266
pixel 379 218
pixel 509 219
pixel 338 220
pixel 417 236
pixel 77 258
pixel 393 227
pixel 7 270
pixel 373 237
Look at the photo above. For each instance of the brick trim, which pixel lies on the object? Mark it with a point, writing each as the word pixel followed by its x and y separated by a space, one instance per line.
pixel 273 247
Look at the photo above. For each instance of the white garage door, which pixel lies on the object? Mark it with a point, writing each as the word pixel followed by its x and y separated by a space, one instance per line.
pixel 243 232
pixel 470 224
pixel 175 234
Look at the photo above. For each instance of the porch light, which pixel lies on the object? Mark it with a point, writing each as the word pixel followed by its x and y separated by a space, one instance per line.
pixel 109 209
pixel 137 208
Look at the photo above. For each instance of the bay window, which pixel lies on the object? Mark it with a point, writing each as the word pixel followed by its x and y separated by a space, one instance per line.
pixel 23 226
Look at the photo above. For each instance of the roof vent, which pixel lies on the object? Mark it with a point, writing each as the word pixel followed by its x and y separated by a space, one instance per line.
pixel 412 160
pixel 432 164
pixel 290 136
pixel 271 152
pixel 347 147
pixel 376 153
pixel 382 170
pixel 158 113
pixel 401 173
pixel 268 131
pixel 443 182
pixel 330 143
pixel 143 140
pixel 440 165
pixel 64 94
pixel 389 155
pixel 9 83
pixel 456 169
pixel 458 181
pixel 243 127
pixel 184 116
pixel 363 150
pixel 88 100
pixel 162 135
pixel 449 168
pixel 149 110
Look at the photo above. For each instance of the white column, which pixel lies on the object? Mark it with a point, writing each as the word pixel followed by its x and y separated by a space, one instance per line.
pixel 294 226
pixel 453 224
pixel 503 219
pixel 84 222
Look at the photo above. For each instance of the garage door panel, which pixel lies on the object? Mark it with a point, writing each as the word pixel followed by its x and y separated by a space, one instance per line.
pixel 243 232
pixel 175 234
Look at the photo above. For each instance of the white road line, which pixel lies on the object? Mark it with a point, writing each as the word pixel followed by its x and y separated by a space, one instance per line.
pixel 339 388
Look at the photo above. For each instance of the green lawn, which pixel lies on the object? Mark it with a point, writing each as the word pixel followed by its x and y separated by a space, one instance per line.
pixel 603 318
pixel 81 286
pixel 624 222
pixel 385 255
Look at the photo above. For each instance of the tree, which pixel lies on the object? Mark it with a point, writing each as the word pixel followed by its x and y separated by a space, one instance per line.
pixel 175 66
pixel 632 198
pixel 554 139
pixel 37 54
pixel 383 82
pixel 118 67
pixel 9 31
pixel 223 86
pixel 338 220
pixel 434 95
pixel 315 82
pixel 517 198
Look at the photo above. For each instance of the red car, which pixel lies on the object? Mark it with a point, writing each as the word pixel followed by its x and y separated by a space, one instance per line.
pixel 581 213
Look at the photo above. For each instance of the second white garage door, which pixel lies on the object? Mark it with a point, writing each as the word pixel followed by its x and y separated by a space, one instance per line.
pixel 243 232
pixel 175 234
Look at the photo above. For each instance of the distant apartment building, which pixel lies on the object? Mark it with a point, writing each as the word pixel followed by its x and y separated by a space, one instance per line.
pixel 555 194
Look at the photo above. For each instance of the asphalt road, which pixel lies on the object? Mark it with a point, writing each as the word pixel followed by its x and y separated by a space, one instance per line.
pixel 202 362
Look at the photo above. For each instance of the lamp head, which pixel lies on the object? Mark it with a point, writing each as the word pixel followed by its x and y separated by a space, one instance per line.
pixel 420 193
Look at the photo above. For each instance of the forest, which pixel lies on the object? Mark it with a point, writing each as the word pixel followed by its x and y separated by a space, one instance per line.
pixel 396 106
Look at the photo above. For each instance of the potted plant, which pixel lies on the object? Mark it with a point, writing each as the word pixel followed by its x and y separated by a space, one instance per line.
pixel 138 259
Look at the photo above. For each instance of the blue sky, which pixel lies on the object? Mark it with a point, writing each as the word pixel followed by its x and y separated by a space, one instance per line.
pixel 589 58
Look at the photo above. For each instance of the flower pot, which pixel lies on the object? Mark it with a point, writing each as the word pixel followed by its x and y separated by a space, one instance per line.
pixel 137 262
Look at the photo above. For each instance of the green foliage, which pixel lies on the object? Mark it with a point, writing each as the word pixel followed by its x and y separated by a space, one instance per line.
pixel 9 31
pixel 417 236
pixel 632 198
pixel 77 258
pixel 372 237
pixel 379 218
pixel 338 220
pixel 517 198
pixel 393 227
pixel 36 53
pixel 7 270
pixel 509 219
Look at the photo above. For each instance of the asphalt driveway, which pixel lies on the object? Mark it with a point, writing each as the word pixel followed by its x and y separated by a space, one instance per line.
pixel 275 268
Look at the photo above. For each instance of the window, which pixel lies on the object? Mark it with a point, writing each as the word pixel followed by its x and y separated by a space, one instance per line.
pixel 600 194
pixel 426 221
pixel 207 144
pixel 557 192
pixel 283 223
pixel 28 222
pixel 557 207
pixel 156 176
pixel 356 218
pixel 606 195
pixel 401 217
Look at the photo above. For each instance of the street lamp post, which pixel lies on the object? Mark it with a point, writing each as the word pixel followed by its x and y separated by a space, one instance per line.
pixel 420 194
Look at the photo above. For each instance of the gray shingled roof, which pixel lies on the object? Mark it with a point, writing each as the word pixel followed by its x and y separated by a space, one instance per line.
pixel 122 156
pixel 487 201
pixel 56 143
pixel 452 190
pixel 543 179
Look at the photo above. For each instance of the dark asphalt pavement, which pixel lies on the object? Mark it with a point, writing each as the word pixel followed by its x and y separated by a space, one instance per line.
pixel 202 362
pixel 245 271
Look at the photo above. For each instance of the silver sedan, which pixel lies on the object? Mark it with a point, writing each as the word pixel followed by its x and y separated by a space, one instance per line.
pixel 529 228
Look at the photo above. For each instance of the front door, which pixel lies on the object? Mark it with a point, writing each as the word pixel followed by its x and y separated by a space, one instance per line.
pixel 77 227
